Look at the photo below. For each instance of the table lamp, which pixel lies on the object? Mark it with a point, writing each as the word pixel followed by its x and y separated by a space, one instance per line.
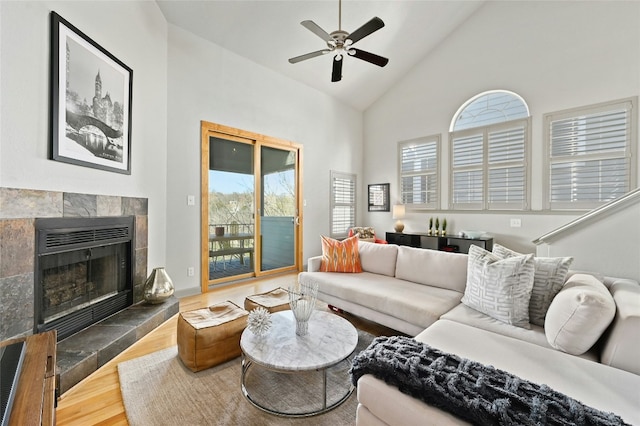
pixel 398 213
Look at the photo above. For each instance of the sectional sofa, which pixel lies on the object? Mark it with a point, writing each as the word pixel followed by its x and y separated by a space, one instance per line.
pixel 587 345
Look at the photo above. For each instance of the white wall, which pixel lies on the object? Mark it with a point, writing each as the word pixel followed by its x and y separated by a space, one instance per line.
pixel 207 82
pixel 134 32
pixel 614 238
pixel 556 55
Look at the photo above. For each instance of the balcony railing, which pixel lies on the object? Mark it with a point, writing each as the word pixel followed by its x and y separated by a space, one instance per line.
pixel 232 228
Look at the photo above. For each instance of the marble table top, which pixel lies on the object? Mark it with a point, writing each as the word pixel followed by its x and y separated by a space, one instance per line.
pixel 330 339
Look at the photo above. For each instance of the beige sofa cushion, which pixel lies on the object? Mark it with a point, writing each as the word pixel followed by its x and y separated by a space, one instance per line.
pixel 378 258
pixel 579 314
pixel 417 304
pixel 621 347
pixel 466 315
pixel 597 385
pixel 432 267
pixel 382 404
pixel 535 334
pixel 500 288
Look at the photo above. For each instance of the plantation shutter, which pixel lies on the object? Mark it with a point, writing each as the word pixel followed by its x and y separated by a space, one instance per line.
pixel 589 156
pixel 507 180
pixel 467 171
pixel 489 167
pixel 418 166
pixel 343 203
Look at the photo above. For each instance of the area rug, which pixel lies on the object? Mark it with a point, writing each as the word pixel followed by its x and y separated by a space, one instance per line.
pixel 158 390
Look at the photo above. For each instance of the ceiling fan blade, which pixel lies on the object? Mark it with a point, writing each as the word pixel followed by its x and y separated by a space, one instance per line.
pixel 372 26
pixel 315 28
pixel 308 56
pixel 336 75
pixel 369 57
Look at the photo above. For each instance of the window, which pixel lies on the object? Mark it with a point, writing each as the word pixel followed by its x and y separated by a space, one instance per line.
pixel 589 155
pixel 418 165
pixel 489 151
pixel 343 203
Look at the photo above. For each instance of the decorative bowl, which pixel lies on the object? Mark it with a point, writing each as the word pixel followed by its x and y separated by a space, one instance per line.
pixel 473 234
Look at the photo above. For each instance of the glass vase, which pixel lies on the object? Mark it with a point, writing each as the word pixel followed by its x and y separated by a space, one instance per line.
pixel 302 301
pixel 302 327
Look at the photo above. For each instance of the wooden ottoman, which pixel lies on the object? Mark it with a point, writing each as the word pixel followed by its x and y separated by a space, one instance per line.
pixel 210 336
pixel 273 301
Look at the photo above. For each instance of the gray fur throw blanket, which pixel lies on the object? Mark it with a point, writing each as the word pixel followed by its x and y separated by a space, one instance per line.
pixel 475 392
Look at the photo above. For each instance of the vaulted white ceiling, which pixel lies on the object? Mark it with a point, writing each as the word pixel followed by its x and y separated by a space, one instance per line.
pixel 269 33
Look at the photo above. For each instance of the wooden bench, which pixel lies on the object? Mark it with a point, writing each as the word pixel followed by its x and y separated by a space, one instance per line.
pixel 230 251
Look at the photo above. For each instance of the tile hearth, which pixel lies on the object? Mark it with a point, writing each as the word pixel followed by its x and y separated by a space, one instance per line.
pixel 86 351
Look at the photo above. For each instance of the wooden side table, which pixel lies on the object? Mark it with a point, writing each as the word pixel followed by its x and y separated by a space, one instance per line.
pixel 37 377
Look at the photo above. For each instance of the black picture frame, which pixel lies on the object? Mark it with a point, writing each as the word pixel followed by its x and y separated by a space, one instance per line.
pixel 90 102
pixel 378 197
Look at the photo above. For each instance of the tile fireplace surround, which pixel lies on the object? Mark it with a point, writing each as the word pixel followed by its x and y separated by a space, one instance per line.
pixel 83 353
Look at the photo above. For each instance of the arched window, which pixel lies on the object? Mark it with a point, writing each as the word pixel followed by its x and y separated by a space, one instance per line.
pixel 489 152
pixel 494 106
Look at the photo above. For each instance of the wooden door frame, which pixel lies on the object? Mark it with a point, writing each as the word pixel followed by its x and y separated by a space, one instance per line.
pixel 208 129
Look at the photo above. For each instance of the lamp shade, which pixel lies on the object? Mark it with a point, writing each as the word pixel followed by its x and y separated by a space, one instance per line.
pixel 398 211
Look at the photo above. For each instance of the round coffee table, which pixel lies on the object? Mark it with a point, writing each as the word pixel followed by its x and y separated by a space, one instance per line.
pixel 331 339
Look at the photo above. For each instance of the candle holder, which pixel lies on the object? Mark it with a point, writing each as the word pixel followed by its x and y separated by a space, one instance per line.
pixel 302 300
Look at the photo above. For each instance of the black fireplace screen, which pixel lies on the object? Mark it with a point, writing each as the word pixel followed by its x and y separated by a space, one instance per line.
pixel 74 280
pixel 83 270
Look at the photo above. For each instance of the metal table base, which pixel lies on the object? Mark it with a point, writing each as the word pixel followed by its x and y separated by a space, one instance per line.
pixel 247 363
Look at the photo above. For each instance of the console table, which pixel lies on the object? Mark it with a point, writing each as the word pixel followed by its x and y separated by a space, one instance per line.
pixel 447 243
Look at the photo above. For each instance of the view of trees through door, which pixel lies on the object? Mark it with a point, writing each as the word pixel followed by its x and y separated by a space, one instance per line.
pixel 279 213
pixel 250 205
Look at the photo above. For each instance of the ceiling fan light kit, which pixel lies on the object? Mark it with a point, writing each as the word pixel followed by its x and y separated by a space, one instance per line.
pixel 340 43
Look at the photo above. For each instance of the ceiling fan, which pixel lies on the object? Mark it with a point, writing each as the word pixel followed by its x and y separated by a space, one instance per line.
pixel 341 42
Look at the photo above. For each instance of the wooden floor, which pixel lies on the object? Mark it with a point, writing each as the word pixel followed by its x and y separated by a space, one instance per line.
pixel 97 399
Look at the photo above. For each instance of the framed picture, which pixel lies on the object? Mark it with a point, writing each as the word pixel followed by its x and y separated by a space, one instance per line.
pixel 379 197
pixel 90 102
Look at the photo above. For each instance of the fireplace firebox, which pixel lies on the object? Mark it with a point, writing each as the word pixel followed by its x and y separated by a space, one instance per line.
pixel 83 271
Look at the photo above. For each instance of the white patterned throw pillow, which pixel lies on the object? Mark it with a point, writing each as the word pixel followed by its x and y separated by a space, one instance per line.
pixel 500 288
pixel 548 279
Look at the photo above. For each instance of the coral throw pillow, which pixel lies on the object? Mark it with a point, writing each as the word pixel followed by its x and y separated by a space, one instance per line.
pixel 340 256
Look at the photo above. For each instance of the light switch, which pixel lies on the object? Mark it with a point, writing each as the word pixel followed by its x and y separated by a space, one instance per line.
pixel 191 200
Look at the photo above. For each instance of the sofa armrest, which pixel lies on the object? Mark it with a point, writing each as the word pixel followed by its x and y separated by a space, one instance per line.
pixel 621 344
pixel 313 263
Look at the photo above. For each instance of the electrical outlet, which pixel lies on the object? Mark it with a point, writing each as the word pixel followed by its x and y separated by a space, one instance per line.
pixel 191 271
pixel 516 223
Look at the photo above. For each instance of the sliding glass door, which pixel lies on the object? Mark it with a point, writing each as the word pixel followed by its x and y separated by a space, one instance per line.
pixel 250 205
pixel 231 208
pixel 279 213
